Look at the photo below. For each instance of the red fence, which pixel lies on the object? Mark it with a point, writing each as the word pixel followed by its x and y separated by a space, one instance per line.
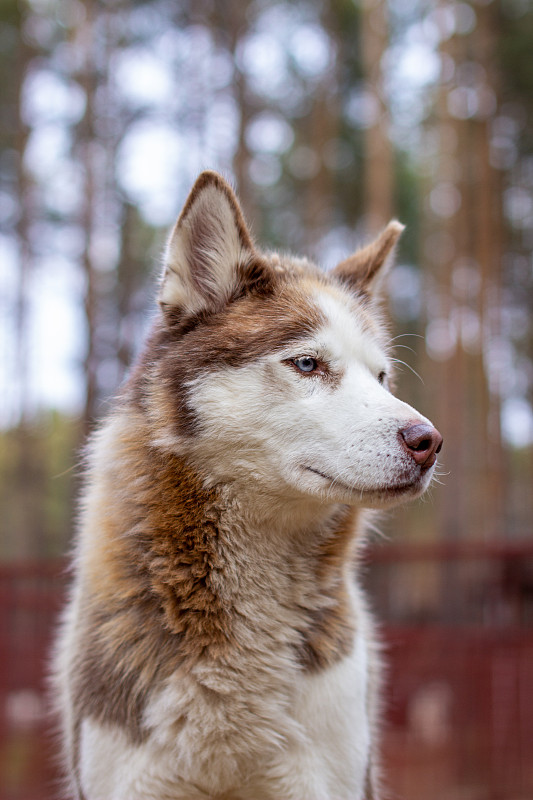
pixel 459 636
pixel 460 713
pixel 460 690
pixel 30 598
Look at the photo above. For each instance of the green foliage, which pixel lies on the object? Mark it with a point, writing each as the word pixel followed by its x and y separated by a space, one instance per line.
pixel 37 476
pixel 407 202
pixel 515 50
pixel 516 38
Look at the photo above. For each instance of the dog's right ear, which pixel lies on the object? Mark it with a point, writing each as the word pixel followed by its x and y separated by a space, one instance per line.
pixel 207 250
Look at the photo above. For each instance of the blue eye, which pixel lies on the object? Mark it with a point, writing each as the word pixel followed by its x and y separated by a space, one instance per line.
pixel 305 363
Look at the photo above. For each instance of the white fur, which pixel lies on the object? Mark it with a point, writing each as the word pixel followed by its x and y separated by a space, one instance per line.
pixel 317 746
pixel 277 423
pixel 267 730
pixel 287 453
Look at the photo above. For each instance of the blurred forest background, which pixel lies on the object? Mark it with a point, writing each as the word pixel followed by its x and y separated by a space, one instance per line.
pixel 330 118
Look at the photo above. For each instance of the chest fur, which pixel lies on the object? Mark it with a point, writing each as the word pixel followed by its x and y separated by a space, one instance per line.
pixel 256 736
pixel 207 639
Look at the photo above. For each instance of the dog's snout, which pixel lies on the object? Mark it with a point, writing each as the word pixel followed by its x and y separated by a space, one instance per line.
pixel 422 442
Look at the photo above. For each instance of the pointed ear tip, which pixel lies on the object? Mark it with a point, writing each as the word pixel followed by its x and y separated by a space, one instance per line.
pixel 395 227
pixel 210 177
pixel 207 184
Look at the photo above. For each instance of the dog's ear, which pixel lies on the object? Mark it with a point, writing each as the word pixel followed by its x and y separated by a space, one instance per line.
pixel 366 269
pixel 208 247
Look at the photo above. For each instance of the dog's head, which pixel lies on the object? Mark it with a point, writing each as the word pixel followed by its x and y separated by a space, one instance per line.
pixel 266 370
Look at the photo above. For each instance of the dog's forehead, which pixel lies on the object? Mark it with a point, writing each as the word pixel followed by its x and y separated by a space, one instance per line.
pixel 349 328
pixel 344 323
pixel 291 266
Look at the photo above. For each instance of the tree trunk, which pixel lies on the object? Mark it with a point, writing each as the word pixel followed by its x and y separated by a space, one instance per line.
pixel 379 162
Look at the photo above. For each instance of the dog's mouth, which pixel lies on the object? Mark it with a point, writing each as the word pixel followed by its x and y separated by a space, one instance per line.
pixel 416 484
pixel 333 481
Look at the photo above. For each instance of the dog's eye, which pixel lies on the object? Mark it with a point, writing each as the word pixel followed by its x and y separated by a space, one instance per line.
pixel 305 363
pixel 382 377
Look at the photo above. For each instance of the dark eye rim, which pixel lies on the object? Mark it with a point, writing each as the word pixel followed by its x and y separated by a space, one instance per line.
pixel 382 377
pixel 315 367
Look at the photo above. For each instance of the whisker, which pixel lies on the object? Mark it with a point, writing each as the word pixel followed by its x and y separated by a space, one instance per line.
pixel 405 347
pixel 403 335
pixel 372 527
pixel 66 471
pixel 399 361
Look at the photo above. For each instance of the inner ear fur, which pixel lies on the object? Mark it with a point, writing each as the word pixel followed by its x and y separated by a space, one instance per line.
pixel 365 270
pixel 209 251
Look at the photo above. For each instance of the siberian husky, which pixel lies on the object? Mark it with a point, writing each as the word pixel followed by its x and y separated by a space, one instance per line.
pixel 216 643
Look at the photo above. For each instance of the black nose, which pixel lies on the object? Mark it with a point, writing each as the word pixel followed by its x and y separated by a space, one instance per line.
pixel 422 442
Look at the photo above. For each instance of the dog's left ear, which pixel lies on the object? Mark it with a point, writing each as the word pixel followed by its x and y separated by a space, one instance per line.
pixel 207 250
pixel 366 269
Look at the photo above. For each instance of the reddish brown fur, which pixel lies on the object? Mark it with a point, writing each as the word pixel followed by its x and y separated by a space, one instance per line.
pixel 257 322
pixel 210 178
pixel 200 237
pixel 152 603
pixel 331 630
pixel 358 271
pixel 152 607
